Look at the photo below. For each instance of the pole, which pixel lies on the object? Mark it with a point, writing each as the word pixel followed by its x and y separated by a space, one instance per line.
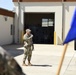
pixel 18 18
pixel 61 60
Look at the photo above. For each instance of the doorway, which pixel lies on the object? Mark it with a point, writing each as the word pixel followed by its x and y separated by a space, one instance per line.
pixel 41 25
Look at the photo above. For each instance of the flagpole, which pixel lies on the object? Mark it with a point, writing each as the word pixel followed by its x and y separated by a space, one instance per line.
pixel 61 60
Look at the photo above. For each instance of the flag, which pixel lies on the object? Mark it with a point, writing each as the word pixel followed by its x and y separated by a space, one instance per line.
pixel 72 32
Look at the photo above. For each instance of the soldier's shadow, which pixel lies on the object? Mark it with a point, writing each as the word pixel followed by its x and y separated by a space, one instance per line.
pixel 14 50
pixel 42 65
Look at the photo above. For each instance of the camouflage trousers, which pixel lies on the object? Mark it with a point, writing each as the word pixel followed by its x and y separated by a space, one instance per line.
pixel 27 54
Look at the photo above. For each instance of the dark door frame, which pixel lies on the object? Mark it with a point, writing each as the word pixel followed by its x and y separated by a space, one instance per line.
pixel 41 13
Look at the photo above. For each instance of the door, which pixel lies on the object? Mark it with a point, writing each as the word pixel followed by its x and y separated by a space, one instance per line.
pixel 41 25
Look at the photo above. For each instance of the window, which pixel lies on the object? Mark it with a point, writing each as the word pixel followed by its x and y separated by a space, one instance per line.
pixel 5 17
pixel 44 22
pixel 11 30
pixel 47 22
pixel 50 22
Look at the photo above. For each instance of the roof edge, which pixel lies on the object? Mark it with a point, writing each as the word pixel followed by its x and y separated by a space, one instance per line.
pixel 6 12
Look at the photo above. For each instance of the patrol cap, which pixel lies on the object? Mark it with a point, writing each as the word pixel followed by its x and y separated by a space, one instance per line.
pixel 28 30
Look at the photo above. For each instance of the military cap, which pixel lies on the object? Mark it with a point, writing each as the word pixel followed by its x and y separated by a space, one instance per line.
pixel 28 30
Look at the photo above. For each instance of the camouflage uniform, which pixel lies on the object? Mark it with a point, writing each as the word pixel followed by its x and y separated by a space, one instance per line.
pixel 8 66
pixel 28 47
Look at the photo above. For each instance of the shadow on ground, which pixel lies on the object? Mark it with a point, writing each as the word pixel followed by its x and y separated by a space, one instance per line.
pixel 13 49
pixel 42 65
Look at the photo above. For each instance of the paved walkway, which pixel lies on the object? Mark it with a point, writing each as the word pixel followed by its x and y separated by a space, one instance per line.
pixel 45 59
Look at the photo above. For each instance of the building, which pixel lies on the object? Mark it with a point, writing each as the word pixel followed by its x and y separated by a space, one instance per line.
pixel 6 26
pixel 49 20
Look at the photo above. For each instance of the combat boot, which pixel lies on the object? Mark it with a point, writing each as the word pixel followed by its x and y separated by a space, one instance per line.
pixel 24 64
pixel 29 64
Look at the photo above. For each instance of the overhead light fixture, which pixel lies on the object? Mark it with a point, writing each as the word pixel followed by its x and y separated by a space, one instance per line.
pixel 5 17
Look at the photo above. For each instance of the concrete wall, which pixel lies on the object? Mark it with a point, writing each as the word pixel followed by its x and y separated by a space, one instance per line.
pixel 19 22
pixel 69 11
pixel 5 30
pixel 44 8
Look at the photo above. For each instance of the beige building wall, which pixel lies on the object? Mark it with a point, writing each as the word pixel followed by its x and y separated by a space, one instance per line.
pixel 69 11
pixel 41 7
pixel 5 30
pixel 45 7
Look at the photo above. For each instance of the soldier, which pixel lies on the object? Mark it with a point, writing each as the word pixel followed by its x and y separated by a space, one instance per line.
pixel 8 65
pixel 28 47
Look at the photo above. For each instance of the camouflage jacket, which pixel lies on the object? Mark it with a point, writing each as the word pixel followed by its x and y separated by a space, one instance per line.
pixel 28 40
pixel 8 65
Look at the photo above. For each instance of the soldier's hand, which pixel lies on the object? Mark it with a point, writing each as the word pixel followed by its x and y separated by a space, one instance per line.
pixel 32 48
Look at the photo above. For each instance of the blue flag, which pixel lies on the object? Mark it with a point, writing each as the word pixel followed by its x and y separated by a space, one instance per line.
pixel 72 32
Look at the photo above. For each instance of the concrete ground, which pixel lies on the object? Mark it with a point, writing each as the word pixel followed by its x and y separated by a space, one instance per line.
pixel 45 59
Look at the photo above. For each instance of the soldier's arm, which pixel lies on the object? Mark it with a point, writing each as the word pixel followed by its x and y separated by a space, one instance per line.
pixel 32 47
pixel 25 38
pixel 31 36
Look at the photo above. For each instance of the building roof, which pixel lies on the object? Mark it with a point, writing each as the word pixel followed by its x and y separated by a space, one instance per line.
pixel 37 0
pixel 6 12
pixel 44 0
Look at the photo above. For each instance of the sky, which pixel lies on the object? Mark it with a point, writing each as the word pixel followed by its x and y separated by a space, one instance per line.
pixel 6 4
